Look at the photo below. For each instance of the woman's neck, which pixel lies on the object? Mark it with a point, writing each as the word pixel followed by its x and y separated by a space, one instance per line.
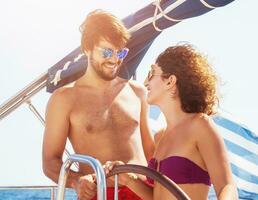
pixel 174 114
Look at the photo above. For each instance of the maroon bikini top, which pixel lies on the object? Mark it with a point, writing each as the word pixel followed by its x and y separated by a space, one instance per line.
pixel 180 170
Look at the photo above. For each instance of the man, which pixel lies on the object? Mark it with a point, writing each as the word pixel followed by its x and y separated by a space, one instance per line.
pixel 103 115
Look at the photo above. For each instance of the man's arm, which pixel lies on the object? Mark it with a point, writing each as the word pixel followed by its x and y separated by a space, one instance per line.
pixel 146 135
pixel 55 136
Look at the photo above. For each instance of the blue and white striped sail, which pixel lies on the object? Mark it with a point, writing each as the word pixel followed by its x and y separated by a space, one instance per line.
pixel 242 147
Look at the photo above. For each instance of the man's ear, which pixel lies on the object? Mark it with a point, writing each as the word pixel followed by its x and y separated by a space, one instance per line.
pixel 86 53
pixel 171 81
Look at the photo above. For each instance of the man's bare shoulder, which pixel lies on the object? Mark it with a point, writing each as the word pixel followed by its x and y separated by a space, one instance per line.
pixel 138 88
pixel 62 97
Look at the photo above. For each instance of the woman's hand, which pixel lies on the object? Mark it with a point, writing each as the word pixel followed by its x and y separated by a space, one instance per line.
pixel 124 179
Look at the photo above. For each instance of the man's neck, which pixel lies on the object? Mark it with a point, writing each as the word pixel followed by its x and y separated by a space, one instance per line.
pixel 92 79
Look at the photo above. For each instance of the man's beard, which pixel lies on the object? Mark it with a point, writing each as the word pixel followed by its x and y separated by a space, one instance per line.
pixel 99 69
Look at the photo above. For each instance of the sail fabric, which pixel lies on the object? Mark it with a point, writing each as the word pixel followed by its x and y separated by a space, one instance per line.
pixel 144 25
pixel 242 148
pixel 242 145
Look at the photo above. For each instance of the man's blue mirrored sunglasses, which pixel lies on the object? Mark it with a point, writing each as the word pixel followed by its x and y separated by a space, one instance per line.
pixel 108 53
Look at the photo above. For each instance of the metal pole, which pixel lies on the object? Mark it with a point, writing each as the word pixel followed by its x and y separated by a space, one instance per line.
pixel 94 163
pixel 116 188
pixel 25 90
pixel 36 112
pixel 19 99
pixel 52 193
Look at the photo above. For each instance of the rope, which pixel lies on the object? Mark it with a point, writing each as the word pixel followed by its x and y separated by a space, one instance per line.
pixel 206 4
pixel 158 8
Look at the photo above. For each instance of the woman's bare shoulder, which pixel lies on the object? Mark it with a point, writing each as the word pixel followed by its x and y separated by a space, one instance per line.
pixel 204 127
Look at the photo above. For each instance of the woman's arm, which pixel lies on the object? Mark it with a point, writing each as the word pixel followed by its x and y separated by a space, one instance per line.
pixel 213 151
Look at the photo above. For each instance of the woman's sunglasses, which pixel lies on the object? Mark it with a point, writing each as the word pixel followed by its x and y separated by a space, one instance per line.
pixel 151 74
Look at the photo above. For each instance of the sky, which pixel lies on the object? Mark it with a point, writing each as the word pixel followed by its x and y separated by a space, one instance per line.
pixel 36 34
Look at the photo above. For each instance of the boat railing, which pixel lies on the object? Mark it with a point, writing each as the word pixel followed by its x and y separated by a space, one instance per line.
pixel 94 163
pixel 23 96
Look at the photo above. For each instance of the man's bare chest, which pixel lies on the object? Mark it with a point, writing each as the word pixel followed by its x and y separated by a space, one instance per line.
pixel 105 114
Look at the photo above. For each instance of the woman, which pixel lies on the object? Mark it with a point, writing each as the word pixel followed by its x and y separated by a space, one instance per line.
pixel 189 150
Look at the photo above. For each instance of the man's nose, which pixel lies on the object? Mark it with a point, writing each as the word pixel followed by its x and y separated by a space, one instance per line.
pixel 114 58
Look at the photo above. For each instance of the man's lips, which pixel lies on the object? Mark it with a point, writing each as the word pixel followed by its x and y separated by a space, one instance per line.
pixel 110 65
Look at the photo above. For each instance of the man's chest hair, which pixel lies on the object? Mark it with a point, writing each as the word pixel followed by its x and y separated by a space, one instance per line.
pixel 97 114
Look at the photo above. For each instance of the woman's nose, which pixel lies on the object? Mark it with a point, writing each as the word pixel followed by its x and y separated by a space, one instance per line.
pixel 146 82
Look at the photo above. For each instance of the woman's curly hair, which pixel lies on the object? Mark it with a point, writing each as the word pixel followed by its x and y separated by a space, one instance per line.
pixel 196 80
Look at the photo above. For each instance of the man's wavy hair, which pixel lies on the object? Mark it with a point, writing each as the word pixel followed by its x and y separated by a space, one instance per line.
pixel 196 80
pixel 100 24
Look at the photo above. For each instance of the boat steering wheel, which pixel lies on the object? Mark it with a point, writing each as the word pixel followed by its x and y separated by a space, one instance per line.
pixel 163 180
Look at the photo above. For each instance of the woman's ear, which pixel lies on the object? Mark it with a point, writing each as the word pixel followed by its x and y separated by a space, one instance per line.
pixel 171 81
